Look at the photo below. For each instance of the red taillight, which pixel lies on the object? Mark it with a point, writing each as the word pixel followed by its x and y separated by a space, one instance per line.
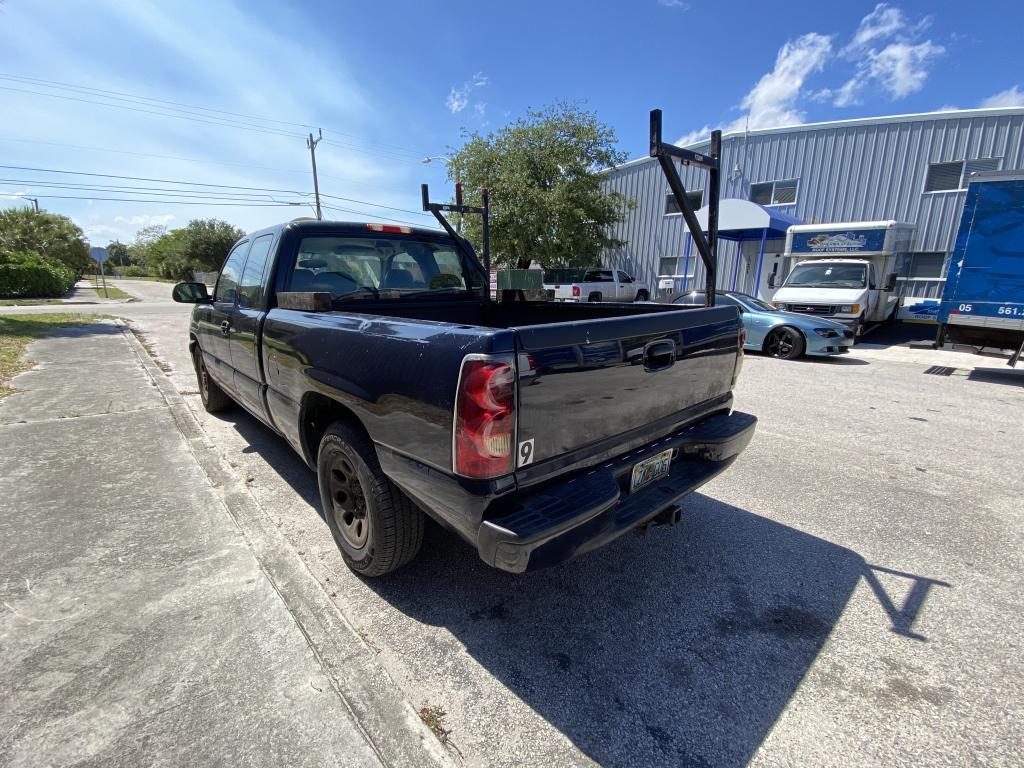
pixel 484 419
pixel 576 291
pixel 743 337
pixel 393 229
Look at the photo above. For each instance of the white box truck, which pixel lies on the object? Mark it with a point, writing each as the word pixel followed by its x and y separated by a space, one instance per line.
pixel 846 272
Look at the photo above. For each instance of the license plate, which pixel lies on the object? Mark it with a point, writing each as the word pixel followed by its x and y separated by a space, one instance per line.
pixel 649 470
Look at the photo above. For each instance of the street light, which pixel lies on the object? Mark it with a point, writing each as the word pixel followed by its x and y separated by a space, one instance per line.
pixel 448 162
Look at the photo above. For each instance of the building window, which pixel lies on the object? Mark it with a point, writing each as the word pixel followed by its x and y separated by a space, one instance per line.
pixel 927 265
pixel 694 197
pixel 944 176
pixel 981 165
pixel 672 266
pixel 774 192
pixel 953 176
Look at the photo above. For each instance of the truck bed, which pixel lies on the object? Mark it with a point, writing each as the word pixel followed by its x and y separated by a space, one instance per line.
pixel 588 389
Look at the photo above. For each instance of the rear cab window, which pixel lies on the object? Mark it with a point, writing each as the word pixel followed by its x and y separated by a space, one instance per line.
pixel 349 266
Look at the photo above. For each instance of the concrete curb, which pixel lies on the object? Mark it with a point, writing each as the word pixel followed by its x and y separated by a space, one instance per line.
pixel 387 719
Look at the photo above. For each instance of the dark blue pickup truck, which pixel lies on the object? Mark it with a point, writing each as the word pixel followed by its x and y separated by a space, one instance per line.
pixel 537 431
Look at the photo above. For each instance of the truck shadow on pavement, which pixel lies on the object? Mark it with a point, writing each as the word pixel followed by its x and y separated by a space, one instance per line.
pixel 679 648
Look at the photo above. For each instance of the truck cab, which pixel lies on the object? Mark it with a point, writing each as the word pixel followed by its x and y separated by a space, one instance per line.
pixel 845 272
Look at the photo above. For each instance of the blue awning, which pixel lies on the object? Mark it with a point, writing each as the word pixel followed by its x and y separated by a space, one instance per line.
pixel 743 220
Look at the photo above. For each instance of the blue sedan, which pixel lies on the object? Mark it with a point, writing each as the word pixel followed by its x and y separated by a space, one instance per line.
pixel 780 334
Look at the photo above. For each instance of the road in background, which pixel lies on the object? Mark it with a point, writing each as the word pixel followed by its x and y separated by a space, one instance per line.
pixel 849 593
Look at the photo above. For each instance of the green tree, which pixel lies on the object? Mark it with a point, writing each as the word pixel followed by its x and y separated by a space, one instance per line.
pixel 546 200
pixel 118 253
pixel 207 242
pixel 138 251
pixel 166 256
pixel 54 238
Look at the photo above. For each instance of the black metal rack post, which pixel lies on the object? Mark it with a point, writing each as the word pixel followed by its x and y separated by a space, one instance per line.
pixel 667 154
pixel 458 207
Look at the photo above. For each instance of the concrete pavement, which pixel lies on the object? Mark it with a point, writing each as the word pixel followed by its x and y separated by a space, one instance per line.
pixel 137 626
pixel 848 594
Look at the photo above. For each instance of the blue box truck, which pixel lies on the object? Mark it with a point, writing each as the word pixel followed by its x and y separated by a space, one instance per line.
pixel 983 298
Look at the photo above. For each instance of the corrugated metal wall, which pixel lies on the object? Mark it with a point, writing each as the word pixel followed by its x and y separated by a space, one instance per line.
pixel 846 172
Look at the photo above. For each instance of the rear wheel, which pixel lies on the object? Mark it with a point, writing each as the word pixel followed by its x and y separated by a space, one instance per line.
pixel 376 527
pixel 785 343
pixel 214 398
pixel 596 296
pixel 642 296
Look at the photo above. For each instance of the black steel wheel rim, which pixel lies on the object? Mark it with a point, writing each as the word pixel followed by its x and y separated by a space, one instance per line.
pixel 348 502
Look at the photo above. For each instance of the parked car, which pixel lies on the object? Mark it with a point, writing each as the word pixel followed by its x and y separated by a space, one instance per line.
pixel 600 285
pixel 536 431
pixel 787 335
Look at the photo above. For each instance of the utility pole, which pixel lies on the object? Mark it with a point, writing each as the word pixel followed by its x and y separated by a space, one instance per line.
pixel 311 143
pixel 35 202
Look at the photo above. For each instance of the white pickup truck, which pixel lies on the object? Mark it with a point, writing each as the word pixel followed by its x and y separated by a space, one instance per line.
pixel 600 285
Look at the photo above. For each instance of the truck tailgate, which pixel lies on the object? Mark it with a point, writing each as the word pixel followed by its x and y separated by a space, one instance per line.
pixel 597 379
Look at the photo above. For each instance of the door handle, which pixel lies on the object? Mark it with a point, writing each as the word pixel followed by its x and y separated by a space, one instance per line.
pixel 659 355
pixel 225 327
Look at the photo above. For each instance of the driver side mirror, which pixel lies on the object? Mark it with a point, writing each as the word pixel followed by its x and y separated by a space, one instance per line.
pixel 771 280
pixel 190 293
pixel 890 282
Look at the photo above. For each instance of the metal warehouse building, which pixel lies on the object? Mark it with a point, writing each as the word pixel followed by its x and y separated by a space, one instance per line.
pixel 910 168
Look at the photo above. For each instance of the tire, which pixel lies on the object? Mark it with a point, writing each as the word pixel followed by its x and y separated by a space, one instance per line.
pixel 858 329
pixel 594 297
pixel 214 398
pixel 642 296
pixel 785 343
pixel 376 527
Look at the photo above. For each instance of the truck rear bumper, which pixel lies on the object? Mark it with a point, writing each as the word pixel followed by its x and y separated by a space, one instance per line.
pixel 595 506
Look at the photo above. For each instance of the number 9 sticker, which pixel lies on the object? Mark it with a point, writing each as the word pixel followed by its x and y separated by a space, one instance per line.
pixel 525 452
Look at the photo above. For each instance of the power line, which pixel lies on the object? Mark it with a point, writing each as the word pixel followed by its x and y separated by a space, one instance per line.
pixel 220 122
pixel 146 178
pixel 152 191
pixel 150 99
pixel 363 213
pixel 249 203
pixel 304 172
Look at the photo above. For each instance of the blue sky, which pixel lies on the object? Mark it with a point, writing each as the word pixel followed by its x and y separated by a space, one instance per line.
pixel 391 82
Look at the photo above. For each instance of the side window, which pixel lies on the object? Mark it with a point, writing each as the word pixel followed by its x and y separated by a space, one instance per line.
pixel 227 283
pixel 250 288
pixel 624 278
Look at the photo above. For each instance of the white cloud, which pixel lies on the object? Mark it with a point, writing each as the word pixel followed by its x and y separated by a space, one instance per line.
pixel 674 4
pixel 146 220
pixel 459 97
pixel 883 21
pixel 694 136
pixel 899 67
pixel 1011 97
pixel 773 100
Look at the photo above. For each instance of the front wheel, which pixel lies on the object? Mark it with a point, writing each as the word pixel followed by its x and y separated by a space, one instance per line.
pixel 785 343
pixel 641 296
pixel 376 527
pixel 214 398
pixel 858 330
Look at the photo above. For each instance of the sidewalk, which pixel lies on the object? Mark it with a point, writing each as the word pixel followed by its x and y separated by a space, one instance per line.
pixel 137 627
